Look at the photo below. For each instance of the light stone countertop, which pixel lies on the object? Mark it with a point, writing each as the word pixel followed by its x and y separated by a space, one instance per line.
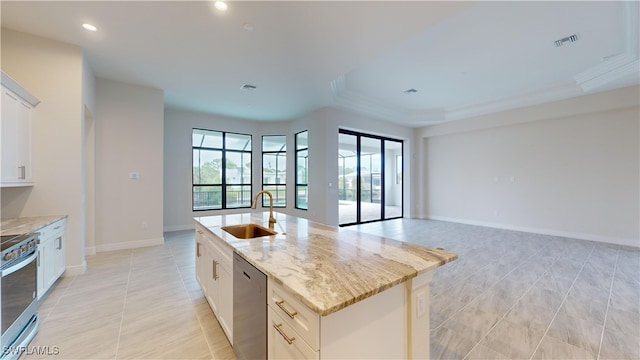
pixel 25 225
pixel 327 268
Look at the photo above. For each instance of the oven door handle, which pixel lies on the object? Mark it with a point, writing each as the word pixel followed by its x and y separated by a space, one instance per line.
pixel 19 265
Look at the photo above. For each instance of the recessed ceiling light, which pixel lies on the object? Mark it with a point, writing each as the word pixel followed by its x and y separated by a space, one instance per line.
pixel 221 5
pixel 89 27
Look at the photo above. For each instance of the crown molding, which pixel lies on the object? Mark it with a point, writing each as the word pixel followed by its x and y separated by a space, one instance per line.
pixel 621 65
pixel 548 94
pixel 616 68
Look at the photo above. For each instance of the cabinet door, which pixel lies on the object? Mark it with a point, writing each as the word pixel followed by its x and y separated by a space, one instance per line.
pixel 59 261
pixel 213 285
pixel 23 148
pixel 225 313
pixel 284 343
pixel 10 103
pixel 46 264
pixel 200 261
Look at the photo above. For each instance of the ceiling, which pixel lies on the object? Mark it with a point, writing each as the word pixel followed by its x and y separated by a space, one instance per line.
pixel 463 58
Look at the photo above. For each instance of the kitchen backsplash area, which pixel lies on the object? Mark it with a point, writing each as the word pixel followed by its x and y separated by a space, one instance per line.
pixel 13 201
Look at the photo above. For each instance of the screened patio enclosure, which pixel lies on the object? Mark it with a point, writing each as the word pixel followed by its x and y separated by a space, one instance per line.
pixel 369 178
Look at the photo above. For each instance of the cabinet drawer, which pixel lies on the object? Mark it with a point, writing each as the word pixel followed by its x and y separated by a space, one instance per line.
pixel 295 314
pixel 52 229
pixel 284 342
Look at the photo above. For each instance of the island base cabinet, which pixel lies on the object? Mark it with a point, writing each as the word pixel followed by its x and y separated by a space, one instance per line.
pixel 374 328
pixel 213 264
pixel 393 324
pixel 285 343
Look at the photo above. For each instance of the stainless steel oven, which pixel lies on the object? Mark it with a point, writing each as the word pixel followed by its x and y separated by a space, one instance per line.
pixel 19 310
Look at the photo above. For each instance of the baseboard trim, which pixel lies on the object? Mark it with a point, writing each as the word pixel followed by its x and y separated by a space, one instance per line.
pixel 179 227
pixel 568 234
pixel 90 250
pixel 129 244
pixel 76 269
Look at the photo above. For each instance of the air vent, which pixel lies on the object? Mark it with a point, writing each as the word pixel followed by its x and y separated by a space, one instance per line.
pixel 411 91
pixel 247 87
pixel 569 39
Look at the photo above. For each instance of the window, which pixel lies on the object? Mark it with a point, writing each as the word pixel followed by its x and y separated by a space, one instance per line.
pixel 274 169
pixel 221 170
pixel 302 166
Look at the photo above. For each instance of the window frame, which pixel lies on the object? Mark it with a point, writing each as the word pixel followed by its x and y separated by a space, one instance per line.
pixel 223 178
pixel 297 184
pixel 277 153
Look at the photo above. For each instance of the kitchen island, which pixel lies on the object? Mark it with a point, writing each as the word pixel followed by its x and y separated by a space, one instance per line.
pixel 332 293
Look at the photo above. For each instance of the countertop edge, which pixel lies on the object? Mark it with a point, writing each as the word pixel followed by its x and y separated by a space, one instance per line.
pixel 30 223
pixel 338 306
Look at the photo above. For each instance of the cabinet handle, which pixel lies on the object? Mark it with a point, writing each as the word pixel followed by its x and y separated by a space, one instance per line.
pixel 57 227
pixel 198 249
pixel 199 232
pixel 23 172
pixel 288 339
pixel 38 259
pixel 215 270
pixel 281 306
pixel 59 243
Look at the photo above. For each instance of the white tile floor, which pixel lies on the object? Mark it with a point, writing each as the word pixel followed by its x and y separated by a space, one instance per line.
pixel 515 295
pixel 133 304
pixel 510 295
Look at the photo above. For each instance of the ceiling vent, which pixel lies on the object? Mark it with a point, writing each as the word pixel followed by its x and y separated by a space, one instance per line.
pixel 411 91
pixel 569 39
pixel 247 87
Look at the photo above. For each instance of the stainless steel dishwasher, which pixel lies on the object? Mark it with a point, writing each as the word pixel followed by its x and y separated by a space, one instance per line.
pixel 249 310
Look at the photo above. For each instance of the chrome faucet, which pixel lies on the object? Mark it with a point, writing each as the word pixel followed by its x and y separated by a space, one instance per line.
pixel 272 220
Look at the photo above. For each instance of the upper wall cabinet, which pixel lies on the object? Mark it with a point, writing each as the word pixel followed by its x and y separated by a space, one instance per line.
pixel 17 104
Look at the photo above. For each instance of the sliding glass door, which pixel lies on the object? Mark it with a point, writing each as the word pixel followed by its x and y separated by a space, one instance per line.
pixel 369 178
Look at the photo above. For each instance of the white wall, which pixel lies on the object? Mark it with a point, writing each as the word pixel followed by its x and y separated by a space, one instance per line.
pixel 129 138
pixel 88 155
pixel 322 125
pixel 338 119
pixel 53 72
pixel 178 124
pixel 556 169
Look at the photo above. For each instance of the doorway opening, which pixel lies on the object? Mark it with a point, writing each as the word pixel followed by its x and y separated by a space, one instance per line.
pixel 370 178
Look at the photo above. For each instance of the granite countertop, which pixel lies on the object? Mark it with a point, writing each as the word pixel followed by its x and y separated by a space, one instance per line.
pixel 327 268
pixel 24 225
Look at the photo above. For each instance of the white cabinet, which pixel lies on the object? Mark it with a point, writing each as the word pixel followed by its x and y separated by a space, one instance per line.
pixel 51 255
pixel 15 131
pixel 285 343
pixel 293 329
pixel 214 274
pixel 373 328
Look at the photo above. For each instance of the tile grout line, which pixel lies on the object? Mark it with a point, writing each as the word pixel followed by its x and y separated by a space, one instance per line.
pixel 124 303
pixel 184 285
pixel 487 289
pixel 606 313
pixel 59 298
pixel 511 308
pixel 562 303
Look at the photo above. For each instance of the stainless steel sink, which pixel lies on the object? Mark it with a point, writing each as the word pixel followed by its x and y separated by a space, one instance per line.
pixel 248 231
